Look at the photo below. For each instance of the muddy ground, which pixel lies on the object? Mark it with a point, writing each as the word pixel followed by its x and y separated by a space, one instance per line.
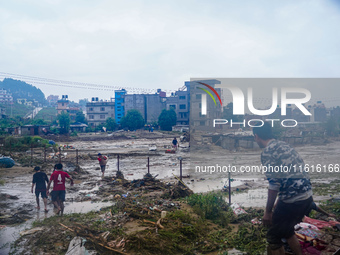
pixel 123 214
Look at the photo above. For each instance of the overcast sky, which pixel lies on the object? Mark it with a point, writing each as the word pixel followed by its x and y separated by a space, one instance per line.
pixel 161 44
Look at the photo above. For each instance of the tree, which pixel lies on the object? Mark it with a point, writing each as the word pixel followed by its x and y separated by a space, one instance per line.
pixel 80 117
pixel 132 120
pixel 110 124
pixel 64 122
pixel 167 119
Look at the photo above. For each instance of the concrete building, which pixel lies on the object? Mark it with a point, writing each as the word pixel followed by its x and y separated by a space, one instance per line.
pixel 52 99
pixel 119 104
pixel 154 106
pixel 197 120
pixel 135 101
pixel 63 104
pixel 149 105
pixel 97 112
pixel 180 102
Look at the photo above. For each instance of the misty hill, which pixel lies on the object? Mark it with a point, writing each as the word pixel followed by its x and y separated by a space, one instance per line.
pixel 20 89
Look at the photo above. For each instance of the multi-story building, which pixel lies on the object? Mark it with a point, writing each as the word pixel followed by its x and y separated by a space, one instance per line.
pixel 135 101
pixel 155 103
pixel 198 120
pixel 97 112
pixel 63 104
pixel 5 97
pixel 149 105
pixel 180 103
pixel 119 104
pixel 52 99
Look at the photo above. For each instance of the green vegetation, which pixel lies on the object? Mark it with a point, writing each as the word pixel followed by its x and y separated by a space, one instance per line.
pixel 110 124
pixel 80 117
pixel 48 114
pixel 64 122
pixel 25 142
pixel 211 206
pixel 167 119
pixel 17 110
pixel 132 120
pixel 22 90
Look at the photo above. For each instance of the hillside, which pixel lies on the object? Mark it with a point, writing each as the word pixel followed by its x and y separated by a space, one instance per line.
pixel 20 89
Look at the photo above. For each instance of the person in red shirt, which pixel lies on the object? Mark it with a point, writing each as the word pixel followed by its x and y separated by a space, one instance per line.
pixel 102 162
pixel 58 195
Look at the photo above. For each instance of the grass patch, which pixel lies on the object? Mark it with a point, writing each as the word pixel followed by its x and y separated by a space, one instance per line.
pixel 211 206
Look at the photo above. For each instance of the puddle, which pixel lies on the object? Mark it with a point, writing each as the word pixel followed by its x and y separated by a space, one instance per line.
pixel 10 234
pixel 251 198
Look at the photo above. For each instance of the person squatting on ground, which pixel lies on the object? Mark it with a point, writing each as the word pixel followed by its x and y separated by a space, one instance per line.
pixel 293 189
pixel 39 179
pixel 58 194
pixel 102 162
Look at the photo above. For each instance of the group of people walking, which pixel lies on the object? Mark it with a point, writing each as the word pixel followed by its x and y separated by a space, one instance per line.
pixel 58 192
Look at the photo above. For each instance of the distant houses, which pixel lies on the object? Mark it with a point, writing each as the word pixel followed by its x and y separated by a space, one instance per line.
pixel 149 105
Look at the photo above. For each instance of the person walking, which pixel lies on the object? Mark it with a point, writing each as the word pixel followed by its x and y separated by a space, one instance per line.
pixel 102 162
pixel 292 187
pixel 39 181
pixel 58 178
pixel 175 143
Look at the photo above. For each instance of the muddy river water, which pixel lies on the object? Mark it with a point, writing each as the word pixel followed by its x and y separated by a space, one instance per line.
pixel 165 165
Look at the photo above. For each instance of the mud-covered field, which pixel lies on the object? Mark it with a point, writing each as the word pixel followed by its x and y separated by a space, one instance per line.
pixel 123 215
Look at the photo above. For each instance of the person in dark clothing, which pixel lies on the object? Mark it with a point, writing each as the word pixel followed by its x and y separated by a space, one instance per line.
pixel 39 181
pixel 175 143
pixel 293 189
pixel 320 210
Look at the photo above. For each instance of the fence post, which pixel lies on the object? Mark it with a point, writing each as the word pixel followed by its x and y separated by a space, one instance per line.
pixel 77 157
pixel 44 153
pixel 180 169
pixel 59 155
pixel 148 165
pixel 229 189
pixel 118 162
pixel 31 154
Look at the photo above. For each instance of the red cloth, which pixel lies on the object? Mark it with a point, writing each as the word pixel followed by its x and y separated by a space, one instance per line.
pixel 320 223
pixel 58 178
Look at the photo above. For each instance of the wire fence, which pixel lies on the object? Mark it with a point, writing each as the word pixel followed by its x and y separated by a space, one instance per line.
pixel 75 156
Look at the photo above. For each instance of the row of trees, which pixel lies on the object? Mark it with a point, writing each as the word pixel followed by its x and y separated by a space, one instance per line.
pixel 132 120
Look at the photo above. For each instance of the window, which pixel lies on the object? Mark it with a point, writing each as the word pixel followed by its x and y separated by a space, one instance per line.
pixel 202 123
pixel 182 106
pixel 199 105
pixel 102 109
pixel 102 116
pixel 181 97
pixel 173 106
pixel 198 96
pixel 91 109
pixel 62 104
pixel 91 117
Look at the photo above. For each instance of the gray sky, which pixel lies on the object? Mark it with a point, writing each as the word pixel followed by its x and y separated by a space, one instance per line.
pixel 161 44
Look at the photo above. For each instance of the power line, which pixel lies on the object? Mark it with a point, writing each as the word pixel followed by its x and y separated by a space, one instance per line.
pixel 72 84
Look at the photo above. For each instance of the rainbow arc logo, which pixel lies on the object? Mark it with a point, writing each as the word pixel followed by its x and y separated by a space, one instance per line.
pixel 204 97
